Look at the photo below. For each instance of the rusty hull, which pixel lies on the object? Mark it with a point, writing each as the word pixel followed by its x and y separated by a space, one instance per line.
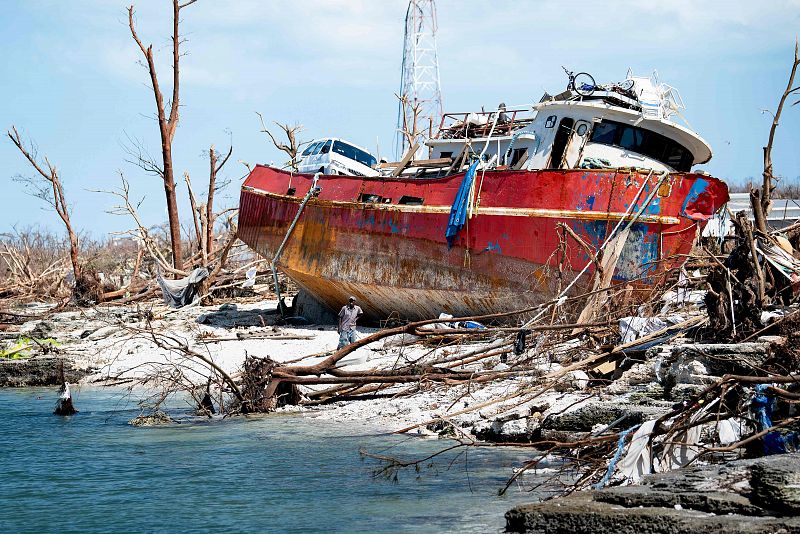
pixel 395 260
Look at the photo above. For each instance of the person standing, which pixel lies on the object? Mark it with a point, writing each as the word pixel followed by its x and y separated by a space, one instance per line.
pixel 348 316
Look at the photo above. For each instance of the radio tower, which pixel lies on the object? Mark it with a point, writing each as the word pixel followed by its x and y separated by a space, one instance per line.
pixel 420 107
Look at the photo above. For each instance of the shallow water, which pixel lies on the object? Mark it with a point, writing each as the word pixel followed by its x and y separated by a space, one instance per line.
pixel 94 472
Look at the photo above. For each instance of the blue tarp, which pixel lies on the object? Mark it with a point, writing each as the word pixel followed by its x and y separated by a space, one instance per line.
pixel 774 442
pixel 458 213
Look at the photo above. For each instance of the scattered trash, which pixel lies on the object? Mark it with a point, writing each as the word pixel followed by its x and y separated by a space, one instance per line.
pixel 179 293
pixel 250 278
pixel 633 328
pixel 519 343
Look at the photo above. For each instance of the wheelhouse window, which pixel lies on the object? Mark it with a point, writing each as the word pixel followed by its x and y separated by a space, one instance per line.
pixel 604 133
pixel 351 152
pixel 645 142
pixel 632 139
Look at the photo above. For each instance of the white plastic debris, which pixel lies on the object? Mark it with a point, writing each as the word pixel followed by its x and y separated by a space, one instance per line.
pixel 250 278
pixel 683 297
pixel 730 430
pixel 638 461
pixel 578 379
pixel 439 326
pixel 769 316
pixel 632 328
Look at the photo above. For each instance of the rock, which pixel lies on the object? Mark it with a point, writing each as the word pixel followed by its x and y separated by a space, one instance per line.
pixel 582 513
pixel 305 305
pixel 231 318
pixel 710 502
pixel 102 333
pixel 776 484
pixel 737 497
pixel 154 419
pixel 559 436
pixel 683 392
pixel 37 329
pixel 686 363
pixel 39 372
pixel 772 340
pixel 517 427
pixel 587 416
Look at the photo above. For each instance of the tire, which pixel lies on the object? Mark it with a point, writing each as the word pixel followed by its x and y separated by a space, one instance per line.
pixel 584 84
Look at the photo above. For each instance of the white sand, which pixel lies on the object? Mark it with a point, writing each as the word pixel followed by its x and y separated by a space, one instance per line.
pixel 106 339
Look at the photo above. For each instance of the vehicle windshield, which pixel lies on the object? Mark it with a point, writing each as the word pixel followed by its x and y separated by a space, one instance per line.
pixel 351 152
pixel 310 148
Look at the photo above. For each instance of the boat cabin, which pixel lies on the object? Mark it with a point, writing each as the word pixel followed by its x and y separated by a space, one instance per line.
pixel 619 125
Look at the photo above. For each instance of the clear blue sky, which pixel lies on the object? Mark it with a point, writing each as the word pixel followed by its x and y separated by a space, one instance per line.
pixel 72 82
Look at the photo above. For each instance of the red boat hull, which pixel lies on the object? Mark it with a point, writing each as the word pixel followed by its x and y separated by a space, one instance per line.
pixel 395 259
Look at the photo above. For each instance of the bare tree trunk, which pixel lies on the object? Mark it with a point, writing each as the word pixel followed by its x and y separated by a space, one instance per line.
pixel 761 201
pixel 53 194
pixel 291 131
pixel 203 214
pixel 172 209
pixel 167 123
pixel 198 228
pixel 212 184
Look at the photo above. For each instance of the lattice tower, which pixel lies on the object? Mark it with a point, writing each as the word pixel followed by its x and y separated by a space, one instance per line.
pixel 419 85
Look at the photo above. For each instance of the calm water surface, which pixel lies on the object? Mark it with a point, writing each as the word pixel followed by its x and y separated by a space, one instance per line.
pixel 94 472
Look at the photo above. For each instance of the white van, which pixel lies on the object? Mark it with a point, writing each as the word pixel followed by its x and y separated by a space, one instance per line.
pixel 335 156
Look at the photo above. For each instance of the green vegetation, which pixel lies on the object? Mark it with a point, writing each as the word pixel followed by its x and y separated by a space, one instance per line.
pixel 21 348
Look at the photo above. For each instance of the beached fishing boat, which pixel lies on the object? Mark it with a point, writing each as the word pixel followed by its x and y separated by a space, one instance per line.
pixel 509 208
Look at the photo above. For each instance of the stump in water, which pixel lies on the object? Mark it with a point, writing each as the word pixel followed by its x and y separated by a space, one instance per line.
pixel 64 403
pixel 259 397
pixel 154 419
pixel 206 406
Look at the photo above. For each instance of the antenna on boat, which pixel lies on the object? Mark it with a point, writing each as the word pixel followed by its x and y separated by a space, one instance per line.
pixel 420 107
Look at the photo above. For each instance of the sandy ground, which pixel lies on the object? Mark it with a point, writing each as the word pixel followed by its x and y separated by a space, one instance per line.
pixel 112 340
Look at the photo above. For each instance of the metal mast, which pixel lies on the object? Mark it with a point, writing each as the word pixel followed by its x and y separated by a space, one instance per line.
pixel 420 107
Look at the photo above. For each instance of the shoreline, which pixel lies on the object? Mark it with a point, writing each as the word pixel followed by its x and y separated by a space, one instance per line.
pixel 112 345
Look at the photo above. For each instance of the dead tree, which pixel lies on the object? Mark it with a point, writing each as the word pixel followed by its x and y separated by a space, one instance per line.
pixel 214 167
pixel 410 128
pixel 761 200
pixel 47 186
pixel 167 123
pixel 203 216
pixel 141 234
pixel 291 149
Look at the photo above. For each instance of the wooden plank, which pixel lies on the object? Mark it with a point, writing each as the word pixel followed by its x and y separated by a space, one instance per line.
pixel 405 160
pixel 438 162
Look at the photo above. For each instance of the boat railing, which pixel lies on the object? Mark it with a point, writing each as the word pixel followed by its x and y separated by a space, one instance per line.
pixel 478 124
